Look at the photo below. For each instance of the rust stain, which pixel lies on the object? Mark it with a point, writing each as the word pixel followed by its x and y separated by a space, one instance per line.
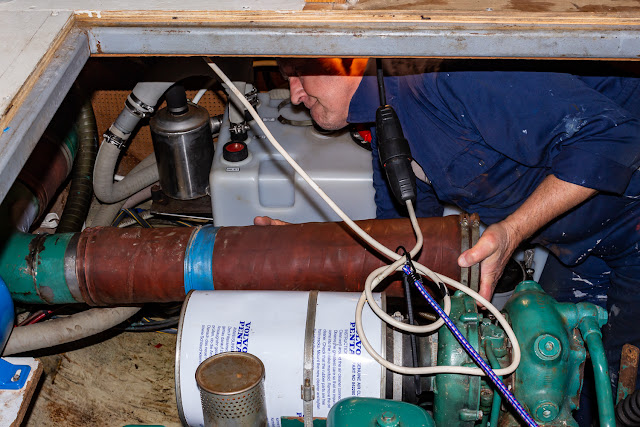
pixel 69 415
pixel 98 47
pixel 32 259
pixel 530 6
pixel 628 370
pixel 606 8
pixel 382 5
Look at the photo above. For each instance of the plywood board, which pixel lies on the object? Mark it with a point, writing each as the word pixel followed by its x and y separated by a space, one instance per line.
pixel 26 38
pixel 127 379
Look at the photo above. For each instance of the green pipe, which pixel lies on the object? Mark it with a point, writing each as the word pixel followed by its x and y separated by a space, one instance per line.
pixel 590 330
pixel 33 266
pixel 497 400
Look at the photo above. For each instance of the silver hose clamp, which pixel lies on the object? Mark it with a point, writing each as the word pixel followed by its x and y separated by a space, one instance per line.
pixel 252 96
pixel 307 389
pixel 137 107
pixel 115 140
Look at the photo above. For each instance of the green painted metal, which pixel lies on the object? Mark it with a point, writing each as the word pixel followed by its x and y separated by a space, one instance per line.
pixel 547 382
pixel 371 412
pixel 33 267
pixel 299 422
pixel 497 400
pixel 457 397
pixel 592 318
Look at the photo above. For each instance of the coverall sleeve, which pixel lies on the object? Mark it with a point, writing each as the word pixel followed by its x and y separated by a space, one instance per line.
pixel 427 204
pixel 549 120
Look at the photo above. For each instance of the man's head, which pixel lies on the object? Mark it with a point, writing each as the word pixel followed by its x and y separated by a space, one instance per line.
pixel 325 86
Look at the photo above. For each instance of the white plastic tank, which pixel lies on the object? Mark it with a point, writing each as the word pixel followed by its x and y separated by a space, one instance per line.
pixel 264 183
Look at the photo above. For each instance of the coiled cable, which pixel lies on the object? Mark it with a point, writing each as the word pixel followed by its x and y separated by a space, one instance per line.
pixel 378 275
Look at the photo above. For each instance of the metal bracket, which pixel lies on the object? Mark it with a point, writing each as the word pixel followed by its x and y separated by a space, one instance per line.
pixel 397 358
pixel 13 377
pixel 474 277
pixel 307 389
pixel 469 236
pixel 464 245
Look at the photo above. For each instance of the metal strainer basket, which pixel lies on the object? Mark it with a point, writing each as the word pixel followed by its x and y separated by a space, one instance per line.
pixel 232 390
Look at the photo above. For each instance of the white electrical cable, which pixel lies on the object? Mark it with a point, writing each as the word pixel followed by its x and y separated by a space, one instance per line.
pixel 199 95
pixel 378 275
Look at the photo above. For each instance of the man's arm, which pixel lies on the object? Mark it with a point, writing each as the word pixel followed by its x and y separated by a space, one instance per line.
pixel 551 198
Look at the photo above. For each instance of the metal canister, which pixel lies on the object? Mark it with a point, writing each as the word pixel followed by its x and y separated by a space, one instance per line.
pixel 183 147
pixel 232 390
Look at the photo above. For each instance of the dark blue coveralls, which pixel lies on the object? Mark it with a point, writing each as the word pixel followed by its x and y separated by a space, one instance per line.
pixel 487 139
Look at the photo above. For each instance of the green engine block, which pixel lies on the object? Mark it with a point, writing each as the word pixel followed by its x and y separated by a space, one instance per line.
pixel 548 381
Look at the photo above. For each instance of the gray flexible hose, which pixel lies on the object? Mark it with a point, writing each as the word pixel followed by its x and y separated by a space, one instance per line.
pixel 109 192
pixel 105 215
pixel 67 329
pixel 148 93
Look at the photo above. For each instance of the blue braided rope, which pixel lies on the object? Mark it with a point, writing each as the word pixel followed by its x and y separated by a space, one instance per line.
pixel 472 352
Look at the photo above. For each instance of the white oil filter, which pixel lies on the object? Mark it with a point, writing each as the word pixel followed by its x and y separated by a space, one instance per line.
pixel 271 326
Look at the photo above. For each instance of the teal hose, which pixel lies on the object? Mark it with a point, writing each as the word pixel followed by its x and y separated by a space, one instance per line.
pixel 593 337
pixel 497 401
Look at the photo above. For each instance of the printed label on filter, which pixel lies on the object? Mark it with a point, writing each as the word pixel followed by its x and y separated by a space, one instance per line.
pixel 216 339
pixel 216 322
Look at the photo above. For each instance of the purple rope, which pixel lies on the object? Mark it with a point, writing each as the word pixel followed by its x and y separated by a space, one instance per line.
pixel 467 346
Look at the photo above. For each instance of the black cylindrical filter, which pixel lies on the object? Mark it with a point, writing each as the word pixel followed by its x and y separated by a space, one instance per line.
pixel 183 147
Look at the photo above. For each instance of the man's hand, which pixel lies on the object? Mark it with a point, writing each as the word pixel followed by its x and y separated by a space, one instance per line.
pixel 265 220
pixel 492 251
pixel 550 199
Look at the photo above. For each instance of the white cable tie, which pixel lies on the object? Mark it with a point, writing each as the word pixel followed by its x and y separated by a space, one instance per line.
pixel 50 221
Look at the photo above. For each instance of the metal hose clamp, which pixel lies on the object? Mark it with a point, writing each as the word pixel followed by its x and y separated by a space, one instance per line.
pixel 137 107
pixel 307 390
pixel 114 139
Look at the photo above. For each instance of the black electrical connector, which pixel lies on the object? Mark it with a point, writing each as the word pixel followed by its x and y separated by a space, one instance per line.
pixel 393 149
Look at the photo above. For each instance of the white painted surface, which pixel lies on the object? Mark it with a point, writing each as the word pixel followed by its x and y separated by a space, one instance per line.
pixel 25 37
pixel 12 400
pixel 28 28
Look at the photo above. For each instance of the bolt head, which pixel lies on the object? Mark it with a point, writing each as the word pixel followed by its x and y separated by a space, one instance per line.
pixel 547 347
pixel 388 419
pixel 546 411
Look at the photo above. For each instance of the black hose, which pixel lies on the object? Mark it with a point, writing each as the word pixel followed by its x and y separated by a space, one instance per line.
pixel 176 100
pixel 81 191
pixel 628 410
pixel 155 325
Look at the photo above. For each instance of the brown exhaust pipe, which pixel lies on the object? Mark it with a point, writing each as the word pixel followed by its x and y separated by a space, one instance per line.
pixel 325 256
pixel 116 266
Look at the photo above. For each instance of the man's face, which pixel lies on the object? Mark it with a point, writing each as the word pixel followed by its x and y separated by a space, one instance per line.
pixel 326 92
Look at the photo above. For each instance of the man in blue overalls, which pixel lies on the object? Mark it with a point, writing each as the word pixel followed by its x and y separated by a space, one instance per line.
pixel 548 156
